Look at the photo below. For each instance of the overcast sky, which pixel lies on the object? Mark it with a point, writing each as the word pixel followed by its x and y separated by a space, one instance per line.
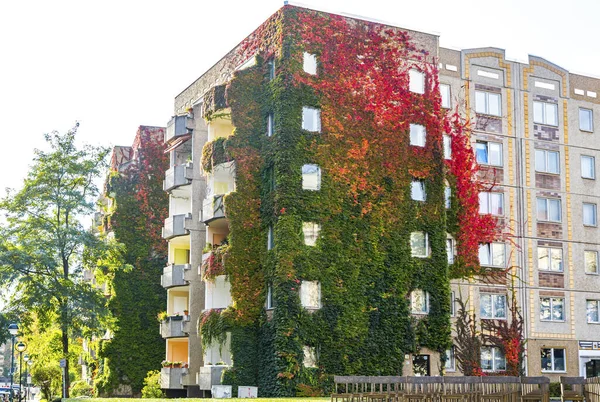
pixel 115 65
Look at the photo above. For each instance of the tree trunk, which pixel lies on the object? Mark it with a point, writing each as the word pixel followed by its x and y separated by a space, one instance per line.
pixel 65 344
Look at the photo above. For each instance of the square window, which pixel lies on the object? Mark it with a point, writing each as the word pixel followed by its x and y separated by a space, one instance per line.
pixel 547 161
pixel 550 259
pixel 270 126
pixel 492 306
pixel 310 294
pixel 270 239
pixel 419 301
pixel 417 190
pixel 591 262
pixel 488 153
pixel 492 254
pixel 311 119
pixel 553 359
pixel 588 167
pixel 311 232
pixel 416 81
pixel 311 177
pixel 592 311
pixel 488 103
pixel 417 135
pixel 492 359
pixel 419 246
pixel 586 118
pixel 549 209
pixel 589 214
pixel 445 94
pixel 310 63
pixel 545 113
pixel 450 364
pixel 552 309
pixel 447 147
pixel 491 203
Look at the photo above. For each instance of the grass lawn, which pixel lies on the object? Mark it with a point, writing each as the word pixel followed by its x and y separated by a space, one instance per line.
pixel 320 399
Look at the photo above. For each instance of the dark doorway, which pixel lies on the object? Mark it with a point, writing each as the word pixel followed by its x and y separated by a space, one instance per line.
pixel 421 366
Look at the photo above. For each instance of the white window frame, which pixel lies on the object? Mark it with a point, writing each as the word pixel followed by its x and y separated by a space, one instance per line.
pixel 543 156
pixel 305 293
pixel 309 63
pixel 485 107
pixel 425 295
pixel 494 350
pixel 490 248
pixel 309 357
pixel 450 249
pixel 452 303
pixel 316 116
pixel 309 228
pixel 271 69
pixel 270 302
pixel 592 302
pixel 493 298
pixel 447 142
pixel 305 177
pixel 590 114
pixel 552 359
pixel 416 83
pixel 448 197
pixel 551 254
pixel 418 135
pixel 593 208
pixel 445 95
pixel 486 202
pixel 412 251
pixel 450 363
pixel 590 254
pixel 417 190
pixel 544 118
pixel 488 153
pixel 591 161
pixel 548 202
pixel 270 238
pixel 270 125
pixel 552 301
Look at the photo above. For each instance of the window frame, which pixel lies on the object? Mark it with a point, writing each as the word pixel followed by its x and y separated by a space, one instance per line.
pixel 595 214
pixel 592 160
pixel 490 195
pixel 450 253
pixel 304 184
pixel 493 350
pixel 591 120
pixel 421 184
pixel 447 145
pixel 552 359
pixel 317 117
pixel 316 230
pixel 307 60
pixel 422 135
pixel 544 117
pixel 270 125
pixel 270 238
pixel 450 357
pixel 425 298
pixel 548 214
pixel 490 248
pixel 597 302
pixel 551 307
pixel 488 153
pixel 270 304
pixel 492 296
pixel 486 105
pixel 550 258
pixel 271 68
pixel 427 253
pixel 546 160
pixel 415 73
pixel 448 97
pixel 585 261
pixel 304 284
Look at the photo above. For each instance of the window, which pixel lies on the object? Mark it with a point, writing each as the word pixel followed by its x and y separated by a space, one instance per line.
pixel 491 203
pixel 586 120
pixel 310 63
pixel 491 254
pixel 310 294
pixel 311 177
pixel 548 209
pixel 270 300
pixel 311 119
pixel 270 125
pixel 445 94
pixel 588 167
pixel 448 197
pixel 552 309
pixel 452 303
pixel 547 161
pixel 416 81
pixel 492 359
pixel 591 262
pixel 311 232
pixel 419 246
pixel 589 214
pixel 545 113
pixel 417 135
pixel 592 307
pixel 270 240
pixel 553 359
pixel 488 103
pixel 450 364
pixel 447 147
pixel 450 250
pixel 492 306
pixel 271 69
pixel 417 190
pixel 488 153
pixel 271 178
pixel 550 259
pixel 310 357
pixel 419 301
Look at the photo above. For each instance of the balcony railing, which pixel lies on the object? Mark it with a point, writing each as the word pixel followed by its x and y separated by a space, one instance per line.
pixel 176 226
pixel 175 326
pixel 179 175
pixel 213 208
pixel 172 378
pixel 174 275
pixel 178 126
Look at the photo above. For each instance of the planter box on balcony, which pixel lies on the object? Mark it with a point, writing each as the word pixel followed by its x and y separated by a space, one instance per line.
pixel 171 378
pixel 178 126
pixel 213 209
pixel 177 176
pixel 209 376
pixel 174 275
pixel 175 226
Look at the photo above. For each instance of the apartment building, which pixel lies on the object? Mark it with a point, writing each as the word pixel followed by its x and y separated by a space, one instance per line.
pixel 241 140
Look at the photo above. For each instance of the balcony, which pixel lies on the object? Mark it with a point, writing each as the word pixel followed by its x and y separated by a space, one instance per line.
pixel 172 378
pixel 176 226
pixel 179 175
pixel 178 127
pixel 209 376
pixel 175 326
pixel 213 208
pixel 174 275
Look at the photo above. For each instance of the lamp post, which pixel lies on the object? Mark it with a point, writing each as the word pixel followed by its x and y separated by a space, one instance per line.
pixel 21 348
pixel 26 360
pixel 14 330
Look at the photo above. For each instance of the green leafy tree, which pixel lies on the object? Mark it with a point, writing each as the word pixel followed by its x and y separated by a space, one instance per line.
pixel 152 385
pixel 43 238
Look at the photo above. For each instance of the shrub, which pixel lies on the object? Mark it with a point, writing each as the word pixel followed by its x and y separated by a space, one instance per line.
pixel 80 388
pixel 152 385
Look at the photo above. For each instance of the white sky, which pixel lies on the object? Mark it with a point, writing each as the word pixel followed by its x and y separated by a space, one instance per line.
pixel 115 65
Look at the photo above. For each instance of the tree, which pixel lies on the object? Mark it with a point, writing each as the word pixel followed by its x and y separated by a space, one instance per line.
pixel 43 238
